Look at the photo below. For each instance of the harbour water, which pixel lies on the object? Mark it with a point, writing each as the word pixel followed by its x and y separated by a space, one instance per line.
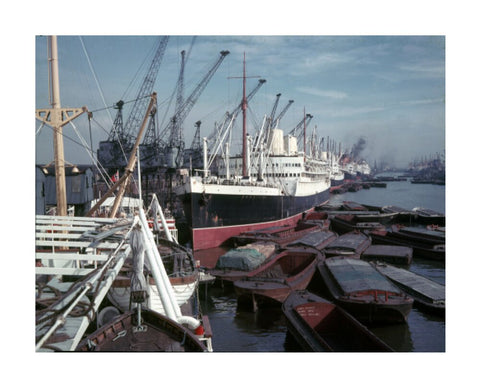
pixel 237 330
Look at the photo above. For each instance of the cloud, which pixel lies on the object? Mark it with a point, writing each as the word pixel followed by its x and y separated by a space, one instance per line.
pixel 423 101
pixel 352 111
pixel 323 93
pixel 425 69
pixel 324 60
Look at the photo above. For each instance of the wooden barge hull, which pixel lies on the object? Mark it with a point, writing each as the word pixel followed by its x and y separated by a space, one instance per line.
pixel 317 239
pixel 374 312
pixel 281 236
pixel 362 291
pixel 227 277
pixel 272 283
pixel 347 223
pixel 434 252
pixel 403 215
pixel 400 255
pixel 237 263
pixel 318 326
pixel 260 294
pixel 157 333
pixel 419 235
pixel 428 295
pixel 427 216
pixel 351 244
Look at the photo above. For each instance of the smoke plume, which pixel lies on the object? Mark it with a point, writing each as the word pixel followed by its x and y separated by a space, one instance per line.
pixel 358 148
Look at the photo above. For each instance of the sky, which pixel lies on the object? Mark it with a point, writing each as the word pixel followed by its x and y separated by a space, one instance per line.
pixel 388 90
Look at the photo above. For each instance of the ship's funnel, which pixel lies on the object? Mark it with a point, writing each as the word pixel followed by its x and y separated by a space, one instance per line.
pixel 277 142
pixel 290 143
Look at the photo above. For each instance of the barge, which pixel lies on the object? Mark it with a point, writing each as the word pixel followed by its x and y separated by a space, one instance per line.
pixel 359 288
pixel 321 326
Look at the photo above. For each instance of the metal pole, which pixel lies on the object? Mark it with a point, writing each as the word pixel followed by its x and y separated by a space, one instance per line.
pixel 56 117
pixel 61 191
pixel 131 161
pixel 244 113
pixel 139 178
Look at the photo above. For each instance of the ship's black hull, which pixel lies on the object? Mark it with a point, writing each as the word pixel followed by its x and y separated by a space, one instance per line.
pixel 337 183
pixel 213 219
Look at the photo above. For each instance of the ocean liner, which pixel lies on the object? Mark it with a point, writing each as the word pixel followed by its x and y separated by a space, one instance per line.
pixel 271 183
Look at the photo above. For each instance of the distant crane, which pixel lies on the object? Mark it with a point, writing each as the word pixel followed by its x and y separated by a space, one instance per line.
pixel 196 144
pixel 296 130
pixel 273 121
pixel 302 124
pixel 113 152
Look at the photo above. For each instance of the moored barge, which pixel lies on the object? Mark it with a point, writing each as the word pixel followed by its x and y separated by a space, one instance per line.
pixel 291 269
pixel 321 326
pixel 365 293
pixel 428 295
pixel 351 244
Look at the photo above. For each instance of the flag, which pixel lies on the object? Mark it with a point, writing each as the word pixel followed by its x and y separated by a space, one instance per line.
pixel 115 177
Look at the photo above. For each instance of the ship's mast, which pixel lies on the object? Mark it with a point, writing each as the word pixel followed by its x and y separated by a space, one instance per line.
pixel 244 106
pixel 57 118
pixel 304 136
pixel 244 112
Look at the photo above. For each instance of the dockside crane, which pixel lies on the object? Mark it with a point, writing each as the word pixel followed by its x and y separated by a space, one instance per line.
pixel 112 153
pixel 176 140
pixel 149 148
pixel 175 147
pixel 193 155
pixel 152 150
pixel 272 121
pixel 272 113
pixel 296 130
pixel 277 119
pixel 196 144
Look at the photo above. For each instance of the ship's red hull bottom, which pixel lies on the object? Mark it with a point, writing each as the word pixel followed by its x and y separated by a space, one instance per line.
pixel 207 238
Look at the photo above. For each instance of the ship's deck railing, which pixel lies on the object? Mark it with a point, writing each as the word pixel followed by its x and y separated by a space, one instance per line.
pixel 90 249
pixel 69 245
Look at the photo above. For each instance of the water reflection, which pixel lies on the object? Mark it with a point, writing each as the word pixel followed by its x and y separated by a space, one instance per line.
pixel 263 320
pixel 397 336
pixel 427 331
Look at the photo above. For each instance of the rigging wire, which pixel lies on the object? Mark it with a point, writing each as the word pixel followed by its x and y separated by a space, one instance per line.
pixel 94 75
pixel 141 67
pixel 102 171
pixel 39 129
pixel 84 145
